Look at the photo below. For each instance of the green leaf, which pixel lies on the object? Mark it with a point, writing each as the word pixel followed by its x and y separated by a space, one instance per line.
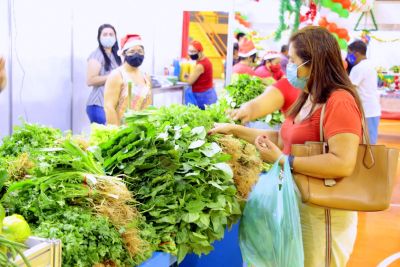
pixel 225 168
pixel 190 217
pixel 210 150
pixel 197 144
pixel 200 132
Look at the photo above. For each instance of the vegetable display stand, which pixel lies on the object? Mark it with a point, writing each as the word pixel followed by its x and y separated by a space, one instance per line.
pixel 159 259
pixel 41 252
pixel 226 252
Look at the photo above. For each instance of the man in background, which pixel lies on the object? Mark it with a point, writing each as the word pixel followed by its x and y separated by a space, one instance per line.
pixel 284 59
pixel 3 77
pixel 364 76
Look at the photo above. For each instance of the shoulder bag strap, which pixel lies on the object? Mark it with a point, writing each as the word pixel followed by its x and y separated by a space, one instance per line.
pixel 368 160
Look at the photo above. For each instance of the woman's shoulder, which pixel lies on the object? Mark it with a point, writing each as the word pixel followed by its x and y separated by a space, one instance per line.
pixel 342 100
pixel 341 95
pixel 116 74
pixel 97 55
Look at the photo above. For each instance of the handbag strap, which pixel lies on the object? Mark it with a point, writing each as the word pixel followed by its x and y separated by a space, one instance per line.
pixel 369 160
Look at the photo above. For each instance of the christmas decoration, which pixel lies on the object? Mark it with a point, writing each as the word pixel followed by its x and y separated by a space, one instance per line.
pixel 290 7
pixel 333 15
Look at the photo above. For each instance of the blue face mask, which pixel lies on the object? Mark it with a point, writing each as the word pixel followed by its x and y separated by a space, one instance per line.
pixel 291 74
pixel 351 58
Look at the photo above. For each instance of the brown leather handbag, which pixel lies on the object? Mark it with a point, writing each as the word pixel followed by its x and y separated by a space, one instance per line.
pixel 370 186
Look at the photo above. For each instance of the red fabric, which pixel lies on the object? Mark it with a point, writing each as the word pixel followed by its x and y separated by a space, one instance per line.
pixel 241 68
pixel 278 74
pixel 341 116
pixel 205 81
pixel 185 33
pixel 290 93
pixel 197 45
pixel 263 72
pixel 390 115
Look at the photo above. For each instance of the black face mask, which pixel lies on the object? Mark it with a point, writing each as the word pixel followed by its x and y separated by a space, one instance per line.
pixel 194 57
pixel 135 60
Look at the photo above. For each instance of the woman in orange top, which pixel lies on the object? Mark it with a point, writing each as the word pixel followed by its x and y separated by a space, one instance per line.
pixel 315 66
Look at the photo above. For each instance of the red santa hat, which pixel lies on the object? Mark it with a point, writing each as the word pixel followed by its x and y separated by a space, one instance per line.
pixel 246 48
pixel 129 41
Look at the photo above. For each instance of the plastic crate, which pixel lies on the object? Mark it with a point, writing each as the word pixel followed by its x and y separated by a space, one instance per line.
pixel 41 252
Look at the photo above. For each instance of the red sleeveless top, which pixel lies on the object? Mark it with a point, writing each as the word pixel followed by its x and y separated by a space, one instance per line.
pixel 205 80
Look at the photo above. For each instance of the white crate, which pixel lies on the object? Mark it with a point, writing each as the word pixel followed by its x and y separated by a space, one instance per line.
pixel 41 252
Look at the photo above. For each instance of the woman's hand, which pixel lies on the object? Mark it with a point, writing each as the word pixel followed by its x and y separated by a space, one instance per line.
pixel 268 150
pixel 243 114
pixel 222 128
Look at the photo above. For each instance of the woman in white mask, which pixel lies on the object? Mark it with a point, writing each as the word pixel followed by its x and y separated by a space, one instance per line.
pixel 100 64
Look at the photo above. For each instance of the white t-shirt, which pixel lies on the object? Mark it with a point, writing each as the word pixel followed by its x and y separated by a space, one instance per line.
pixel 364 76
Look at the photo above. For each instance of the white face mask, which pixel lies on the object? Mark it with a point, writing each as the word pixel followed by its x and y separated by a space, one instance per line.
pixel 107 41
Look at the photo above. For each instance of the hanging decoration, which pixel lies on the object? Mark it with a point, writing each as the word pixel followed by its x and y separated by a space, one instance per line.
pixel 365 16
pixel 333 17
pixel 290 7
pixel 309 17
pixel 362 5
pixel 243 20
pixel 366 37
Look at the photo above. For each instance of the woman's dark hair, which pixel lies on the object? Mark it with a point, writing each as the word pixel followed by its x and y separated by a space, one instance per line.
pixel 114 49
pixel 317 46
pixel 264 61
pixel 253 57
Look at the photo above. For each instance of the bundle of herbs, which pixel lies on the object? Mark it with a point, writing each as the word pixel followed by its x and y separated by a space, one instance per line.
pixel 246 88
pixel 67 178
pixel 182 180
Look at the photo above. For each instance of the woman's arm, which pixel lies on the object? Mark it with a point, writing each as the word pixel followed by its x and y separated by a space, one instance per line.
pixel 338 162
pixel 112 91
pixel 242 132
pixel 93 70
pixel 3 74
pixel 198 70
pixel 271 100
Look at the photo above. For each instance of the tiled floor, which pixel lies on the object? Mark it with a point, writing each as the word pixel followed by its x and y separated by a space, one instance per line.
pixel 379 233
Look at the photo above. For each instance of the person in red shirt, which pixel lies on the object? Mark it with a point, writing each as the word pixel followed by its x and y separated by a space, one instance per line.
pixel 201 79
pixel 279 96
pixel 247 58
pixel 315 66
pixel 270 66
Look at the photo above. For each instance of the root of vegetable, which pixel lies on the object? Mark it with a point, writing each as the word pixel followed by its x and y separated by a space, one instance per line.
pixel 19 167
pixel 245 163
pixel 117 206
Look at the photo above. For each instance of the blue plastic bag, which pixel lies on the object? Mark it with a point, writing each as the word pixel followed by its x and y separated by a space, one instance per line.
pixel 190 99
pixel 270 229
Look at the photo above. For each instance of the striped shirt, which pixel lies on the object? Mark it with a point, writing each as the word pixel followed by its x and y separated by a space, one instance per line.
pixel 96 97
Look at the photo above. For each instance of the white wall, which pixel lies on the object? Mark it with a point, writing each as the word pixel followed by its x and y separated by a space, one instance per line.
pixel 4 46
